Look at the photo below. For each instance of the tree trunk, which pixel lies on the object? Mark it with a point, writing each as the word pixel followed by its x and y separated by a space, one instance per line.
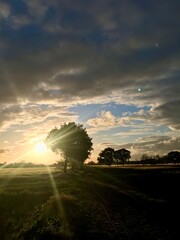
pixel 73 165
pixel 65 166
pixel 81 165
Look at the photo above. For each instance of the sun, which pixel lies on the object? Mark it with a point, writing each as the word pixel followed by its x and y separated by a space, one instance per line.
pixel 41 147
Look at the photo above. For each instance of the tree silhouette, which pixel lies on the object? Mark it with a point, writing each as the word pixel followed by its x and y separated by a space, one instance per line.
pixel 72 141
pixel 174 156
pixel 106 156
pixel 122 155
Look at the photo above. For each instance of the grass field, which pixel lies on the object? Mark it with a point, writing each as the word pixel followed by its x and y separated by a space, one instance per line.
pixel 95 203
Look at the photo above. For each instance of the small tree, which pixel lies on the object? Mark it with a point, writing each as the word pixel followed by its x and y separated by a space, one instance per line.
pixel 144 158
pixel 106 156
pixel 72 141
pixel 122 155
pixel 174 156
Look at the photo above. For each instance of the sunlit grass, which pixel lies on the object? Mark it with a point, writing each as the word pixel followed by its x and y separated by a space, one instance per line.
pixel 60 208
pixel 35 189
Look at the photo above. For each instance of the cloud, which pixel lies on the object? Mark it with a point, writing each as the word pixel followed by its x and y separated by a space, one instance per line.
pixel 169 113
pixel 66 53
pixel 166 114
pixel 47 81
pixel 5 10
pixel 3 150
pixel 33 114
pixel 139 122
pixel 39 130
pixel 19 21
pixel 160 145
pixel 153 145
pixel 105 119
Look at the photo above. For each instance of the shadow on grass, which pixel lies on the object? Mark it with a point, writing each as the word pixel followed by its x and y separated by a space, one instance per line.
pixel 96 203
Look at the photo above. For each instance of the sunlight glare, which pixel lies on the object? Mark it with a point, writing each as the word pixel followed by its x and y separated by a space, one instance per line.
pixel 41 147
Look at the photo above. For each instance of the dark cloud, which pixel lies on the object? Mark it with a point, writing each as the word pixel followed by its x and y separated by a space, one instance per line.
pixel 56 50
pixel 170 113
pixel 159 145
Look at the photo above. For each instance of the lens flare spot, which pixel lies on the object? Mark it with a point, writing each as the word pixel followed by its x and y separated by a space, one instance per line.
pixel 41 147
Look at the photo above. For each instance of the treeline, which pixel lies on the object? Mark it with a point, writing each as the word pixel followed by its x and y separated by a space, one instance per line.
pixel 171 157
pixel 20 165
pixel 109 156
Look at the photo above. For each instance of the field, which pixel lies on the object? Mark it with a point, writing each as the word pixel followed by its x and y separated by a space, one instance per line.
pixel 95 203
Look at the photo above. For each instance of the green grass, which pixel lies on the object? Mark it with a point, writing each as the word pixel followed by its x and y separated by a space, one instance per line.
pixel 96 203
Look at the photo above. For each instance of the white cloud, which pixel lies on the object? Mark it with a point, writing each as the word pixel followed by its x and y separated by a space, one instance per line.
pixel 37 8
pixel 19 21
pixel 5 10
pixel 23 115
pixel 105 119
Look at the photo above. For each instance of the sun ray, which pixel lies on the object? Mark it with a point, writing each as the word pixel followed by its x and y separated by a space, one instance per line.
pixel 59 203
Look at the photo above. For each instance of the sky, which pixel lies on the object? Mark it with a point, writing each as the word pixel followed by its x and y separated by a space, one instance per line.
pixel 113 66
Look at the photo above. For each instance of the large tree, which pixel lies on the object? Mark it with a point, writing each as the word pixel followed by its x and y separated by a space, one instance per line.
pixel 72 141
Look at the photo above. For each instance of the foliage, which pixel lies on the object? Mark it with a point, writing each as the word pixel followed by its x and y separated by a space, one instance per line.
pixel 174 156
pixel 72 141
pixel 144 157
pixel 106 156
pixel 171 157
pixel 21 165
pixel 122 155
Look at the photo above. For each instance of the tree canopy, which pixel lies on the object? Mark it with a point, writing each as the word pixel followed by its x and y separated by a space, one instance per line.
pixel 174 156
pixel 122 155
pixel 72 141
pixel 109 155
pixel 106 156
